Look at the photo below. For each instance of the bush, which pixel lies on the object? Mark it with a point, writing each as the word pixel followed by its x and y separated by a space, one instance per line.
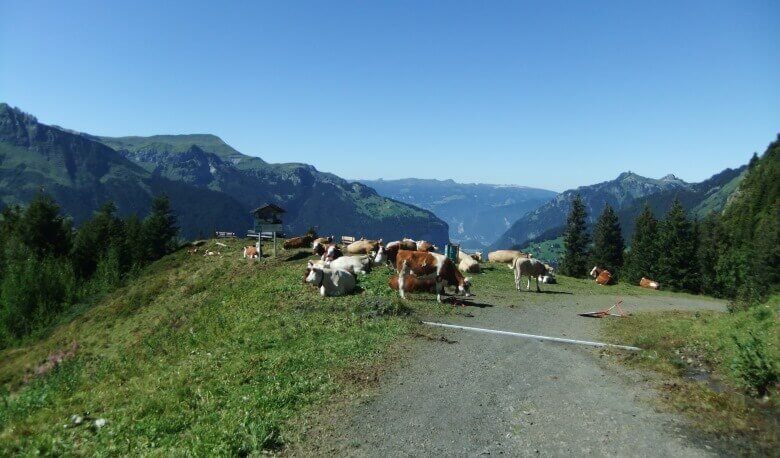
pixel 33 291
pixel 754 364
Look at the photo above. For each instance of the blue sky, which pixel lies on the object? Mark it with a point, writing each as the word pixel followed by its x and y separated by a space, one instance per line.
pixel 548 94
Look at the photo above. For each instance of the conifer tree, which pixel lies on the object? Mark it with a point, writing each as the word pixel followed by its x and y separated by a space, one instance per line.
pixel 677 266
pixel 160 229
pixel 576 241
pixel 42 229
pixel 608 243
pixel 641 260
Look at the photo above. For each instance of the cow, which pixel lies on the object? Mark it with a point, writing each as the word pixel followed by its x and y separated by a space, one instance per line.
pixel 389 252
pixel 526 267
pixel 363 246
pixel 330 282
pixel 332 252
pixel 467 264
pixel 406 282
pixel 548 279
pixel 251 252
pixel 506 256
pixel 298 242
pixel 426 264
pixel 476 256
pixel 603 276
pixel 360 264
pixel 647 283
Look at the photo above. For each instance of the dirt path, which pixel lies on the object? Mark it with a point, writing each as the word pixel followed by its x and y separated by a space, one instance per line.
pixel 489 394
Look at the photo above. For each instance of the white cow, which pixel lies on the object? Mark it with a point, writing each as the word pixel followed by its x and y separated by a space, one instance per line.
pixel 360 264
pixel 330 282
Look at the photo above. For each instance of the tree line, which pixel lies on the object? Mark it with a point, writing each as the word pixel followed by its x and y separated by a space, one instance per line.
pixel 47 266
pixel 734 254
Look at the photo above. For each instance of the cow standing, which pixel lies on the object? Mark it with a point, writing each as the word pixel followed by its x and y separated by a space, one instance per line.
pixel 525 267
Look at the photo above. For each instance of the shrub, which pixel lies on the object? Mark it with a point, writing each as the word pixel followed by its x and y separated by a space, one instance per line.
pixel 754 365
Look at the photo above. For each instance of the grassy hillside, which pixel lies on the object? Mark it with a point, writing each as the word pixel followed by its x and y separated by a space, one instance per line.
pixel 201 354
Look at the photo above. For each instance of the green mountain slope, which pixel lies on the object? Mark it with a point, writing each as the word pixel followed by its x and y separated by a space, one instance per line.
pixel 311 198
pixel 82 174
pixel 476 213
pixel 212 186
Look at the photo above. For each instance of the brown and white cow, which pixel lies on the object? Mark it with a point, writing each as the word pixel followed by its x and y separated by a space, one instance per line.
pixel 437 266
pixel 602 276
pixel 319 245
pixel 406 282
pixel 251 252
pixel 388 253
pixel 363 246
pixel 298 242
pixel 647 283
pixel 327 252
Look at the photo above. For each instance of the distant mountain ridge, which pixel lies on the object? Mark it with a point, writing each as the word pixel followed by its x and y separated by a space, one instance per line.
pixel 477 214
pixel 699 199
pixel 619 192
pixel 211 185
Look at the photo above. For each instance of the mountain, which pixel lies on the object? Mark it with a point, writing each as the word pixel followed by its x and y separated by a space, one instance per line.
pixel 81 174
pixel 311 198
pixel 476 213
pixel 623 190
pixel 211 185
pixel 699 199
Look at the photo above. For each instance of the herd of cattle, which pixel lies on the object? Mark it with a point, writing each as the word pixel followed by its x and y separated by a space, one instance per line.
pixel 418 265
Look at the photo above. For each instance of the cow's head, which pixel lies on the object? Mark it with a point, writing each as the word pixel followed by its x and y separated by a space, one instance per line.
pixel 594 272
pixel 464 288
pixel 381 255
pixel 314 274
pixel 317 247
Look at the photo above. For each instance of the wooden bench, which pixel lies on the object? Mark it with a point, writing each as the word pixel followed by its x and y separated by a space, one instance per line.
pixel 347 239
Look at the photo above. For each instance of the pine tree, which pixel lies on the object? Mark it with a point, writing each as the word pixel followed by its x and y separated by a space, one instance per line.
pixel 677 266
pixel 160 229
pixel 95 237
pixel 576 240
pixel 608 243
pixel 641 260
pixel 711 242
pixel 42 229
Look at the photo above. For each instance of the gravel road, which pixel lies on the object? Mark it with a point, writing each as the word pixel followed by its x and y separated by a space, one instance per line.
pixel 489 394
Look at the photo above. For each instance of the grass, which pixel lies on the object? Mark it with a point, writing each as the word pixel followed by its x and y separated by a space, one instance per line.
pixel 215 355
pixel 200 355
pixel 697 353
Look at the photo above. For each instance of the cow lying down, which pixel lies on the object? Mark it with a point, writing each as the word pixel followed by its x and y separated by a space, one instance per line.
pixel 359 264
pixel 424 264
pixel 330 282
pixel 406 282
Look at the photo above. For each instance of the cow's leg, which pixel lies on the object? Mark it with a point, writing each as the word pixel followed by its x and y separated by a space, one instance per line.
pixel 439 289
pixel 401 285
pixel 537 285
pixel 528 286
pixel 517 280
pixel 322 291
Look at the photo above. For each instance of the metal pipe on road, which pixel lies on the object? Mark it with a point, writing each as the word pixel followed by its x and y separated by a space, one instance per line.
pixel 532 336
